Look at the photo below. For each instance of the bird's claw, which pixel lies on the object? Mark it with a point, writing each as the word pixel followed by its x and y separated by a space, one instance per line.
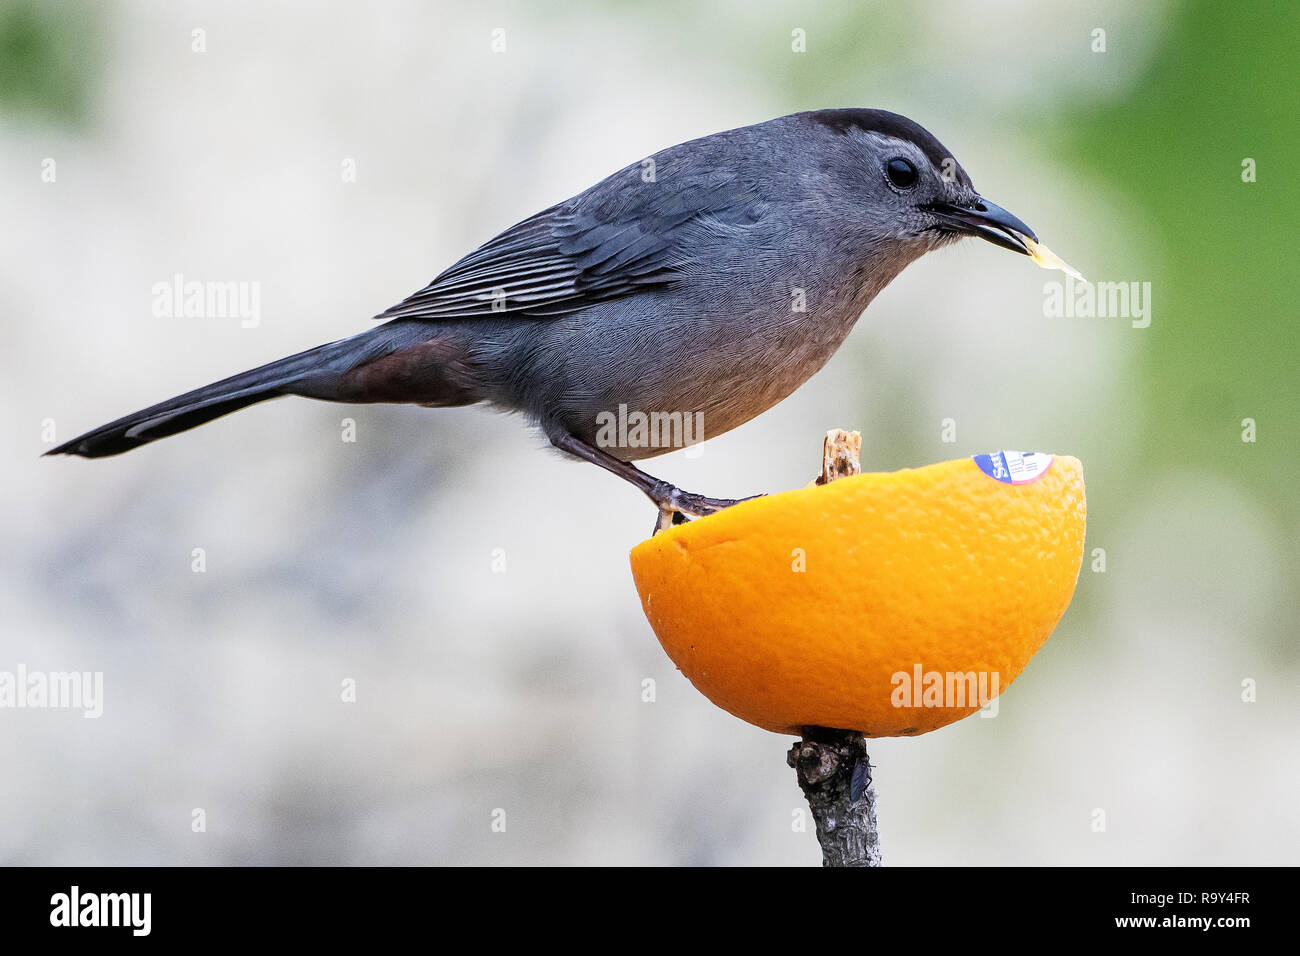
pixel 677 506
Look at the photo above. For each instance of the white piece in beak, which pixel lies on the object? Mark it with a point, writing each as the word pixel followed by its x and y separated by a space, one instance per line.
pixel 1048 259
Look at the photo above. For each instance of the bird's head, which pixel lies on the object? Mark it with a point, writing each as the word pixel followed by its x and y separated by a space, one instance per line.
pixel 906 187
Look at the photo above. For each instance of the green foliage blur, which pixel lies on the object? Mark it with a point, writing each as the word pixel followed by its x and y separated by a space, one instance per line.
pixel 49 55
pixel 1222 88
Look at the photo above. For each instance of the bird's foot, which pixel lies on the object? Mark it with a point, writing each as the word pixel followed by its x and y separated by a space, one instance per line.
pixel 677 506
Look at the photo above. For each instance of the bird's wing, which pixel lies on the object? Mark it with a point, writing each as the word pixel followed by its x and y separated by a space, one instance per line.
pixel 613 240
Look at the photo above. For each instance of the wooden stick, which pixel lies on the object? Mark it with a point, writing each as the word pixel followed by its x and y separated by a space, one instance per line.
pixel 832 766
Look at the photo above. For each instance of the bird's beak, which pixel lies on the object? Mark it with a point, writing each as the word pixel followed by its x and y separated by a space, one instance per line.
pixel 986 220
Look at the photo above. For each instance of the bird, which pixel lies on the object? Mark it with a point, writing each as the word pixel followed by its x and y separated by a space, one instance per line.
pixel 691 290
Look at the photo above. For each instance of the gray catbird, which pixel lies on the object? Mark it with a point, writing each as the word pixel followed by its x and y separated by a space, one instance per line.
pixel 697 288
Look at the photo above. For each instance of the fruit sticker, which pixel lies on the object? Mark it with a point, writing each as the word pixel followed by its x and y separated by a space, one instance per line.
pixel 1014 467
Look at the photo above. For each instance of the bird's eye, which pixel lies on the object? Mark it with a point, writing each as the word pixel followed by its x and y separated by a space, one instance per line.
pixel 901 173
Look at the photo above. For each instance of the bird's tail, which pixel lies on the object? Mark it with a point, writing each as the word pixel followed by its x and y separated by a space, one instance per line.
pixel 307 373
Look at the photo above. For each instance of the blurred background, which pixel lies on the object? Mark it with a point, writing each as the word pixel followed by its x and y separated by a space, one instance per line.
pixel 475 586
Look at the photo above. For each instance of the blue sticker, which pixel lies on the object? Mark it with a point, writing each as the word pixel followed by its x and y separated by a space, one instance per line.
pixel 1014 467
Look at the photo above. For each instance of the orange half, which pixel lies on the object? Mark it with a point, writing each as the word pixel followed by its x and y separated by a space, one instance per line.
pixel 877 602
